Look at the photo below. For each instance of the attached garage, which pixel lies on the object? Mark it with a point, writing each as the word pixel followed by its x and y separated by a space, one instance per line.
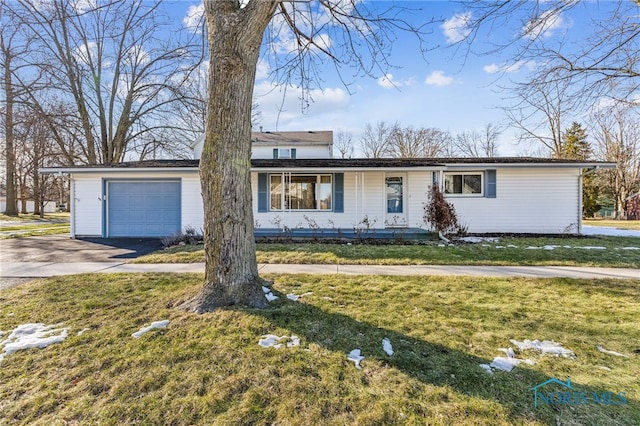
pixel 142 208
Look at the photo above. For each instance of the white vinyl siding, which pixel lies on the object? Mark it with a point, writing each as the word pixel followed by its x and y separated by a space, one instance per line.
pixel 532 200
pixel 363 197
pixel 317 151
pixel 87 207
pixel 192 208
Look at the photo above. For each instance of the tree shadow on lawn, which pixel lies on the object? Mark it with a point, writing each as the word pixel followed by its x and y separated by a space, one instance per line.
pixel 438 365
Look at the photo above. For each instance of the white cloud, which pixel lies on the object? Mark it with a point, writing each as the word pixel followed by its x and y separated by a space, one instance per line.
pixel 388 81
pixel 262 69
pixel 437 78
pixel 509 68
pixel 281 106
pixel 544 25
pixel 194 17
pixel 491 68
pixel 457 28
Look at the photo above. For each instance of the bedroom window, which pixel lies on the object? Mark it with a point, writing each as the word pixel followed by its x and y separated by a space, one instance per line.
pixel 463 183
pixel 300 192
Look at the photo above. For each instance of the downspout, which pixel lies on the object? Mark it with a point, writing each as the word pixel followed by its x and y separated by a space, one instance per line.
pixel 72 207
pixel 580 179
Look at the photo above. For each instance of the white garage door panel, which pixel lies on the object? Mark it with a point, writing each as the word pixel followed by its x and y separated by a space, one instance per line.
pixel 143 208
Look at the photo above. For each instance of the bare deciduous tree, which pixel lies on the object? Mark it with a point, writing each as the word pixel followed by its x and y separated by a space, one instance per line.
pixel 478 144
pixel 409 142
pixel 375 140
pixel 111 63
pixel 541 110
pixel 617 135
pixel 343 143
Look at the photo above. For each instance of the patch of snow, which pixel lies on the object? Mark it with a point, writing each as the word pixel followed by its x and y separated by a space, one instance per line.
pixel 550 247
pixel 155 324
pixel 512 246
pixel 266 290
pixel 356 356
pixel 545 347
pixel 630 248
pixel 270 297
pixel 327 298
pixel 386 346
pixel 603 350
pixel 509 352
pixel 32 335
pixel 475 240
pixel 532 248
pixel 504 363
pixel 592 248
pixel 292 296
pixel 273 341
pixel 487 368
pixel 604 368
pixel 499 247
pixel 603 230
pixel 84 330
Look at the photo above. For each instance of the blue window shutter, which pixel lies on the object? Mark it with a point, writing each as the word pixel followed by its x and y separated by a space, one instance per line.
pixel 293 153
pixel 490 185
pixel 275 152
pixel 434 177
pixel 338 192
pixel 263 192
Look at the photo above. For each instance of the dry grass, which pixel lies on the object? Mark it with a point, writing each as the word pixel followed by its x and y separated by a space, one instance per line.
pixel 621 224
pixel 508 252
pixel 208 369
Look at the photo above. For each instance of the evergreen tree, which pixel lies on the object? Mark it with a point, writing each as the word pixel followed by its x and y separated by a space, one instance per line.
pixel 576 147
pixel 574 143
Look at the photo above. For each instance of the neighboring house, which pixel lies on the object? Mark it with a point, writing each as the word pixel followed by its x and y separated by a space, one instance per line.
pixel 633 207
pixel 298 187
pixel 49 206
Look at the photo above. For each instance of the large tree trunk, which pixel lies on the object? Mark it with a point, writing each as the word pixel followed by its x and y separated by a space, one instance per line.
pixel 231 272
pixel 11 208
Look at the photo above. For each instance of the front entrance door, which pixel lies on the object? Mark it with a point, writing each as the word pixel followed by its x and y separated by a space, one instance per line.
pixel 395 201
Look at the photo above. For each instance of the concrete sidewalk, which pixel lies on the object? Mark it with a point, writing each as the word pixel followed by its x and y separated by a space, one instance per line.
pixel 49 269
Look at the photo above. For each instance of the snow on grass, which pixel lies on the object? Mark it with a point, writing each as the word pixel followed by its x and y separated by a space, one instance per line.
pixel 603 350
pixel 294 297
pixel 612 232
pixel 356 356
pixel 475 240
pixel 32 335
pixel 155 324
pixel 505 363
pixel 273 341
pixel 510 361
pixel 268 294
pixel 386 346
pixel 544 347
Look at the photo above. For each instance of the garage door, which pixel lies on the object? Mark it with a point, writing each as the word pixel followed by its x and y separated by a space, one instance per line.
pixel 143 208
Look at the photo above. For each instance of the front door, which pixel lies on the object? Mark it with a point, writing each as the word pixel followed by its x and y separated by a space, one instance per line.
pixel 395 201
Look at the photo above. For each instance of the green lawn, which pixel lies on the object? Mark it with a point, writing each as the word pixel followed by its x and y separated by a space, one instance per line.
pixel 209 369
pixel 48 217
pixel 29 225
pixel 595 251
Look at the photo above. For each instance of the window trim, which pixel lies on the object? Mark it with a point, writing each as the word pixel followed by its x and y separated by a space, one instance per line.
pixel 287 176
pixel 480 194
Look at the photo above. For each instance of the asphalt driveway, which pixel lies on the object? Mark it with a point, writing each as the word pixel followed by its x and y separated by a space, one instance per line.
pixel 62 249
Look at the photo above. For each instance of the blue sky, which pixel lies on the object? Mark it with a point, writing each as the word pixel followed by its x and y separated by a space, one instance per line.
pixel 449 88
